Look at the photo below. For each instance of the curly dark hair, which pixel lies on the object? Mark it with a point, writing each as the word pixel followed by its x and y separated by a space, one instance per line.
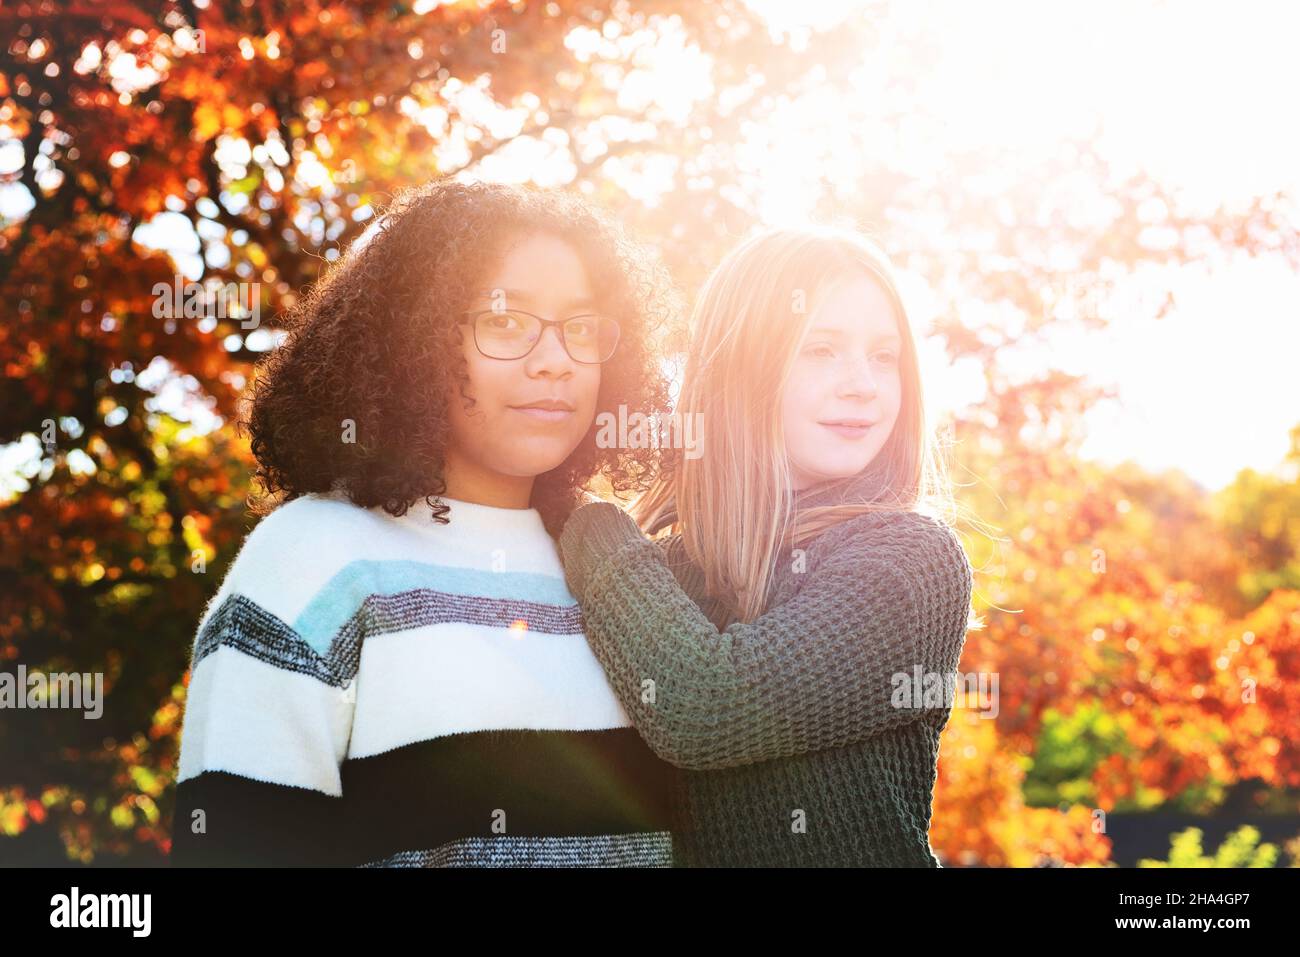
pixel 376 341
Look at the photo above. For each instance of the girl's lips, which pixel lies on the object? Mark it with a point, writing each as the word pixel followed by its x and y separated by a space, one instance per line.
pixel 846 431
pixel 544 415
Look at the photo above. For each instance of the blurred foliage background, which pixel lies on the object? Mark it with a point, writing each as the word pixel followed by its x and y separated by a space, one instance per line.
pixel 1144 629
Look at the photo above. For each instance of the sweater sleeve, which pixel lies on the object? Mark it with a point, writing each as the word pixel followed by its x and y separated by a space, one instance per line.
pixel 267 723
pixel 826 668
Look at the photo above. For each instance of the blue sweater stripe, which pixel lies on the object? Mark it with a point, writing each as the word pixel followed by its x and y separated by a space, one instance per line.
pixel 343 594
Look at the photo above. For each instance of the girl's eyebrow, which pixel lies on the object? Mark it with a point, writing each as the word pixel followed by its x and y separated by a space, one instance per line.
pixel 521 296
pixel 508 293
pixel 839 333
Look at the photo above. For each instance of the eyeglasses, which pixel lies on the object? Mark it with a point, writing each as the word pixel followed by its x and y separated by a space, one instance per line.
pixel 513 334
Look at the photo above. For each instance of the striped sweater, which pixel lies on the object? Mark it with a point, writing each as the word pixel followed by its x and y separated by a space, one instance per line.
pixel 368 690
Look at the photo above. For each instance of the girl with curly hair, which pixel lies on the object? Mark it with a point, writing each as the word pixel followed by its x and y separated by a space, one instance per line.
pixel 393 672
pixel 792 642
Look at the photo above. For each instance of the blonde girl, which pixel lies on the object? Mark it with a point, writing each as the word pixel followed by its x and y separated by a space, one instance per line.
pixel 793 641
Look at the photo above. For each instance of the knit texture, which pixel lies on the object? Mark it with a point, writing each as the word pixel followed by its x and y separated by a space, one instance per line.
pixel 385 691
pixel 799 748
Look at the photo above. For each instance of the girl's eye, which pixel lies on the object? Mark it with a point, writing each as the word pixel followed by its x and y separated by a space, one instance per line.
pixel 501 321
pixel 884 356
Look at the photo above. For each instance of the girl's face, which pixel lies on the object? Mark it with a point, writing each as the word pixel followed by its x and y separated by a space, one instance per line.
pixel 500 441
pixel 845 390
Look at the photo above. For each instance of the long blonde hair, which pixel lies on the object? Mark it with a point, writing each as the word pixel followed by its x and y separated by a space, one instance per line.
pixel 733 503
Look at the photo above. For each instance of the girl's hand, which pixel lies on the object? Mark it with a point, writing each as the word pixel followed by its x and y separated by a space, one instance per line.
pixel 593 536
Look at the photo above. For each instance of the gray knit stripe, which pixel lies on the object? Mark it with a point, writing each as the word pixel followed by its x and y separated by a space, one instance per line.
pixel 243 624
pixel 650 849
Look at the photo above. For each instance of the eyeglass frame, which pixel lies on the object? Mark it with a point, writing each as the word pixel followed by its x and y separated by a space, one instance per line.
pixel 546 324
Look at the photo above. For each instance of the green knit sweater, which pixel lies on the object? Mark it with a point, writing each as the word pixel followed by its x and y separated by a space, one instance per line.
pixel 797 747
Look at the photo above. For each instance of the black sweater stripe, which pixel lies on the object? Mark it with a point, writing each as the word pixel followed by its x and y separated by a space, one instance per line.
pixel 248 823
pixel 547 783
pixel 428 794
